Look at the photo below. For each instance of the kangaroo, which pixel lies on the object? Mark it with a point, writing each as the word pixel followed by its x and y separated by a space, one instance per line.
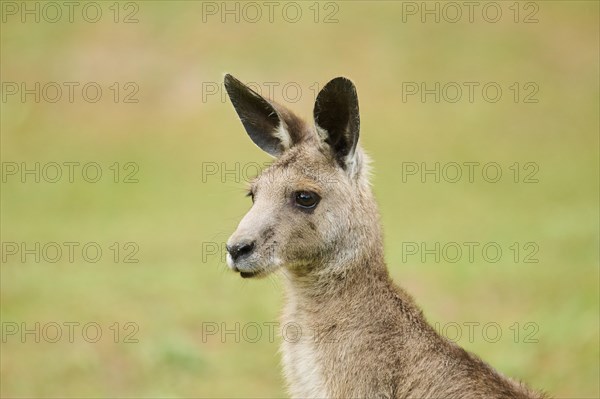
pixel 314 220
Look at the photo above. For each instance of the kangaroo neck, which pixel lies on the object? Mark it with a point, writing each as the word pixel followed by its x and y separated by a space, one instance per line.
pixel 328 282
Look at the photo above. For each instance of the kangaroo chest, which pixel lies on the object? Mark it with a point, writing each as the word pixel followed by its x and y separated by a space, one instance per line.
pixel 303 370
pixel 302 360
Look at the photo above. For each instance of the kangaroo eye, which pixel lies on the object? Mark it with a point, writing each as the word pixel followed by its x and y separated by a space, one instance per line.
pixel 306 199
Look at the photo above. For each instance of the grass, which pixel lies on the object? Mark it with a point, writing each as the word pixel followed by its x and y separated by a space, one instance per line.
pixel 180 288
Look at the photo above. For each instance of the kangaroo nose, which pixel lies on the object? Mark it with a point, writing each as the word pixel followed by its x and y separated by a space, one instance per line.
pixel 240 249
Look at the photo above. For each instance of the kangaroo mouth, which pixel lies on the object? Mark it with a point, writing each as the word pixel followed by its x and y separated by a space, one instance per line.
pixel 243 273
pixel 246 273
pixel 249 274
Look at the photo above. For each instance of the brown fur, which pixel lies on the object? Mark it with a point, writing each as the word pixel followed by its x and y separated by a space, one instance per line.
pixel 361 335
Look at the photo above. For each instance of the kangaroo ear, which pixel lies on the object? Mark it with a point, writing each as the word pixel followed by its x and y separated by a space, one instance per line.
pixel 273 128
pixel 337 118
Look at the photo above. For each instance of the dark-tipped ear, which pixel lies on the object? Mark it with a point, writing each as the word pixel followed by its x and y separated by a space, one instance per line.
pixel 337 118
pixel 273 128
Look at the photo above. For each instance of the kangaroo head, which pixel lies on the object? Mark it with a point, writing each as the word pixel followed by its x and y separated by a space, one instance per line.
pixel 312 208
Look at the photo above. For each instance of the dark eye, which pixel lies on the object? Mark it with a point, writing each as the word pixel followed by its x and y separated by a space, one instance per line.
pixel 250 194
pixel 306 199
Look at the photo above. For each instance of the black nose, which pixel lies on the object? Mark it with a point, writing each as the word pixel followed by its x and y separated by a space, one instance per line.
pixel 240 249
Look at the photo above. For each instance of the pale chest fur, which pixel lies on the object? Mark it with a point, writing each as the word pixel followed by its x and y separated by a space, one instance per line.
pixel 302 362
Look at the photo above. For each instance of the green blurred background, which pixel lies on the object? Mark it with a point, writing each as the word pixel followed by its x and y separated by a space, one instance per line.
pixel 177 214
